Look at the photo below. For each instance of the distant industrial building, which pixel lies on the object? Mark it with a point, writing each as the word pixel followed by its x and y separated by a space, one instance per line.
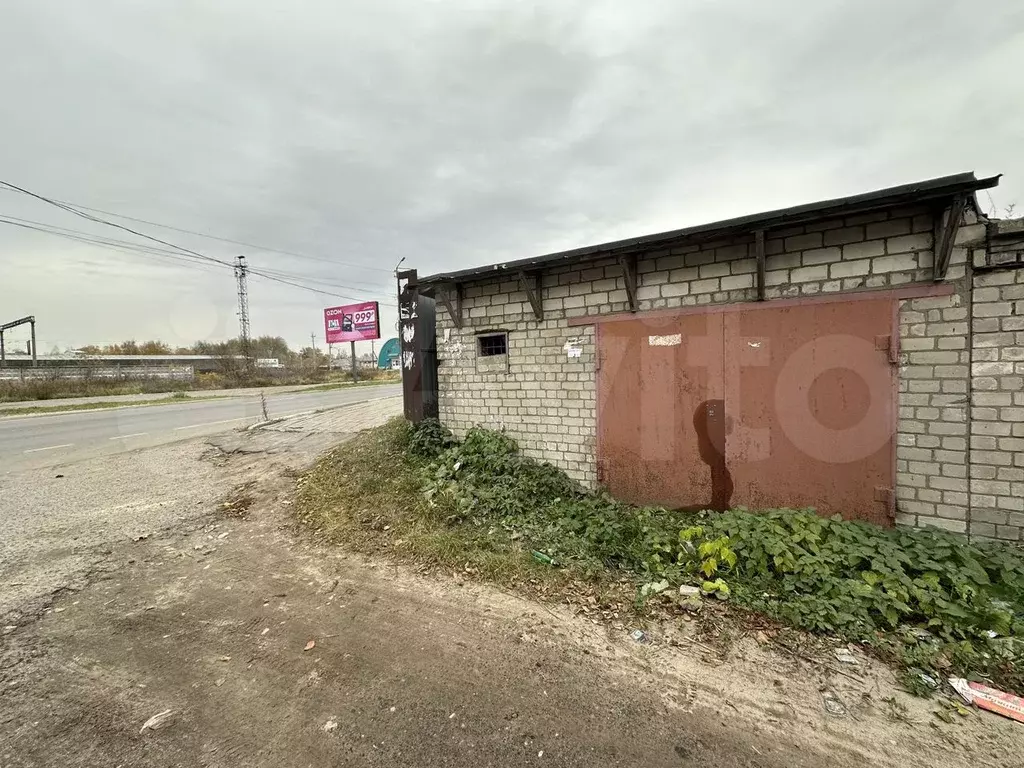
pixel 76 366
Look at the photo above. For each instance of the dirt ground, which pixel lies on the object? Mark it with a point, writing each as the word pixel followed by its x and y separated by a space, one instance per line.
pixel 270 650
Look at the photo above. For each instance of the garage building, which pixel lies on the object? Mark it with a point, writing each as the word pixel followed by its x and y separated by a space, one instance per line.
pixel 864 356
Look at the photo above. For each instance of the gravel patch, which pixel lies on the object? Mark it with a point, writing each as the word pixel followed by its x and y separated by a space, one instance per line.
pixel 60 523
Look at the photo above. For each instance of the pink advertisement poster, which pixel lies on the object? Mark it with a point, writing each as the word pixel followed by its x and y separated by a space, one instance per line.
pixel 353 322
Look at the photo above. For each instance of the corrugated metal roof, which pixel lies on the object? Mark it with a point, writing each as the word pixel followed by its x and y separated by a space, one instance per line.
pixel 918 192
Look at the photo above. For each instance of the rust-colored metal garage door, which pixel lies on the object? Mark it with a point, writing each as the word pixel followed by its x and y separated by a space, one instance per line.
pixel 784 404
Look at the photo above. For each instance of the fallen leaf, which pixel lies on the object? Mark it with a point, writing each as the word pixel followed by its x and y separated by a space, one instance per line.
pixel 310 645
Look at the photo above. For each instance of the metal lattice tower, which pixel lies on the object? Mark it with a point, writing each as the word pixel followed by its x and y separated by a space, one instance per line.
pixel 241 276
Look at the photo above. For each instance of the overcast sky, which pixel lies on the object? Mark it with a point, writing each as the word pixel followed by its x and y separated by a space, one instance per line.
pixel 455 133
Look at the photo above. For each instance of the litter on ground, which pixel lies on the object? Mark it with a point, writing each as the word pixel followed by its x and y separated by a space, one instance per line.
pixel 983 697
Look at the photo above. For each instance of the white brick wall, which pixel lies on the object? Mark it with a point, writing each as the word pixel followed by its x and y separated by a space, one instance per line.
pixel 955 461
pixel 931 439
pixel 537 392
pixel 997 410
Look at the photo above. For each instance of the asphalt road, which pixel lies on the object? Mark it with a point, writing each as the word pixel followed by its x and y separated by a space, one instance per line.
pixel 205 394
pixel 56 438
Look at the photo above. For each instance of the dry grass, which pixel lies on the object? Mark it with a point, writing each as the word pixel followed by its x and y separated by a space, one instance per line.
pixel 239 501
pixel 57 387
pixel 366 495
pixel 176 398
pixel 371 495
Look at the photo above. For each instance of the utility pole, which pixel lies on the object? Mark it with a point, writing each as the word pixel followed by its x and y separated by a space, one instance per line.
pixel 241 276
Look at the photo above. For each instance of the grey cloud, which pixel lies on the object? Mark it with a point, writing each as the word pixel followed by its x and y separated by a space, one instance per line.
pixel 455 133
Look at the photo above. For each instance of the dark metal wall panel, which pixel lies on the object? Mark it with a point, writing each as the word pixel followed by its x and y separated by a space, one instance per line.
pixel 418 340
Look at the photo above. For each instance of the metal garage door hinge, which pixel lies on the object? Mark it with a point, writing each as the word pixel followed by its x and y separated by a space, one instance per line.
pixel 890 344
pixel 887 496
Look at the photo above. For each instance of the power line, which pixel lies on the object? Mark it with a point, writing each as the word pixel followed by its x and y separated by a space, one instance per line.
pixel 325 281
pixel 43 226
pixel 184 255
pixel 126 246
pixel 221 239
pixel 89 217
pixel 315 290
pixel 122 246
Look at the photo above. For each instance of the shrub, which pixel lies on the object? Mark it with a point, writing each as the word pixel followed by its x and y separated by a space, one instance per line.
pixel 428 439
pixel 926 599
pixel 852 579
pixel 855 578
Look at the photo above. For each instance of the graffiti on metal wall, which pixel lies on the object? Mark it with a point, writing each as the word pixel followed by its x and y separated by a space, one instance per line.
pixel 407 321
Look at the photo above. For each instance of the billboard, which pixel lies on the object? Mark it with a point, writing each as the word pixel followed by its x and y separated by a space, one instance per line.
pixel 352 322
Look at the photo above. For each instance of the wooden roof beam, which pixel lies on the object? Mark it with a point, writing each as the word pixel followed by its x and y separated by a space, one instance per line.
pixel 451 297
pixel 628 264
pixel 530 282
pixel 946 228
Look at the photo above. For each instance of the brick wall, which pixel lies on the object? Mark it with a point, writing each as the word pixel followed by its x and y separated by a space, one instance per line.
pixel 931 441
pixel 543 397
pixel 997 412
pixel 546 398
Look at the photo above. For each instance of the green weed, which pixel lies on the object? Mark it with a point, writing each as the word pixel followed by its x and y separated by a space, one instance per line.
pixel 925 599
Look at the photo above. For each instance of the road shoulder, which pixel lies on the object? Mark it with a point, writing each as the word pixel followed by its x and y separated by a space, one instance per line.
pixel 268 647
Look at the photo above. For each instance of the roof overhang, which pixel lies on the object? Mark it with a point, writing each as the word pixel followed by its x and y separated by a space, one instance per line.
pixel 933 192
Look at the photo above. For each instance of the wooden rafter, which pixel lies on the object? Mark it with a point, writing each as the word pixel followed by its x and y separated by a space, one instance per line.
pixel 761 262
pixel 628 264
pixel 531 285
pixel 451 297
pixel 946 229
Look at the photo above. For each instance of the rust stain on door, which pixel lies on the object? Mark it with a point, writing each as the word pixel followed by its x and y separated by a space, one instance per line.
pixel 760 407
pixel 648 398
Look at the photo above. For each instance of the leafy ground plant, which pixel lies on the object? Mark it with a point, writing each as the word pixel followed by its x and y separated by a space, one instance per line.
pixel 925 599
pixel 369 494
